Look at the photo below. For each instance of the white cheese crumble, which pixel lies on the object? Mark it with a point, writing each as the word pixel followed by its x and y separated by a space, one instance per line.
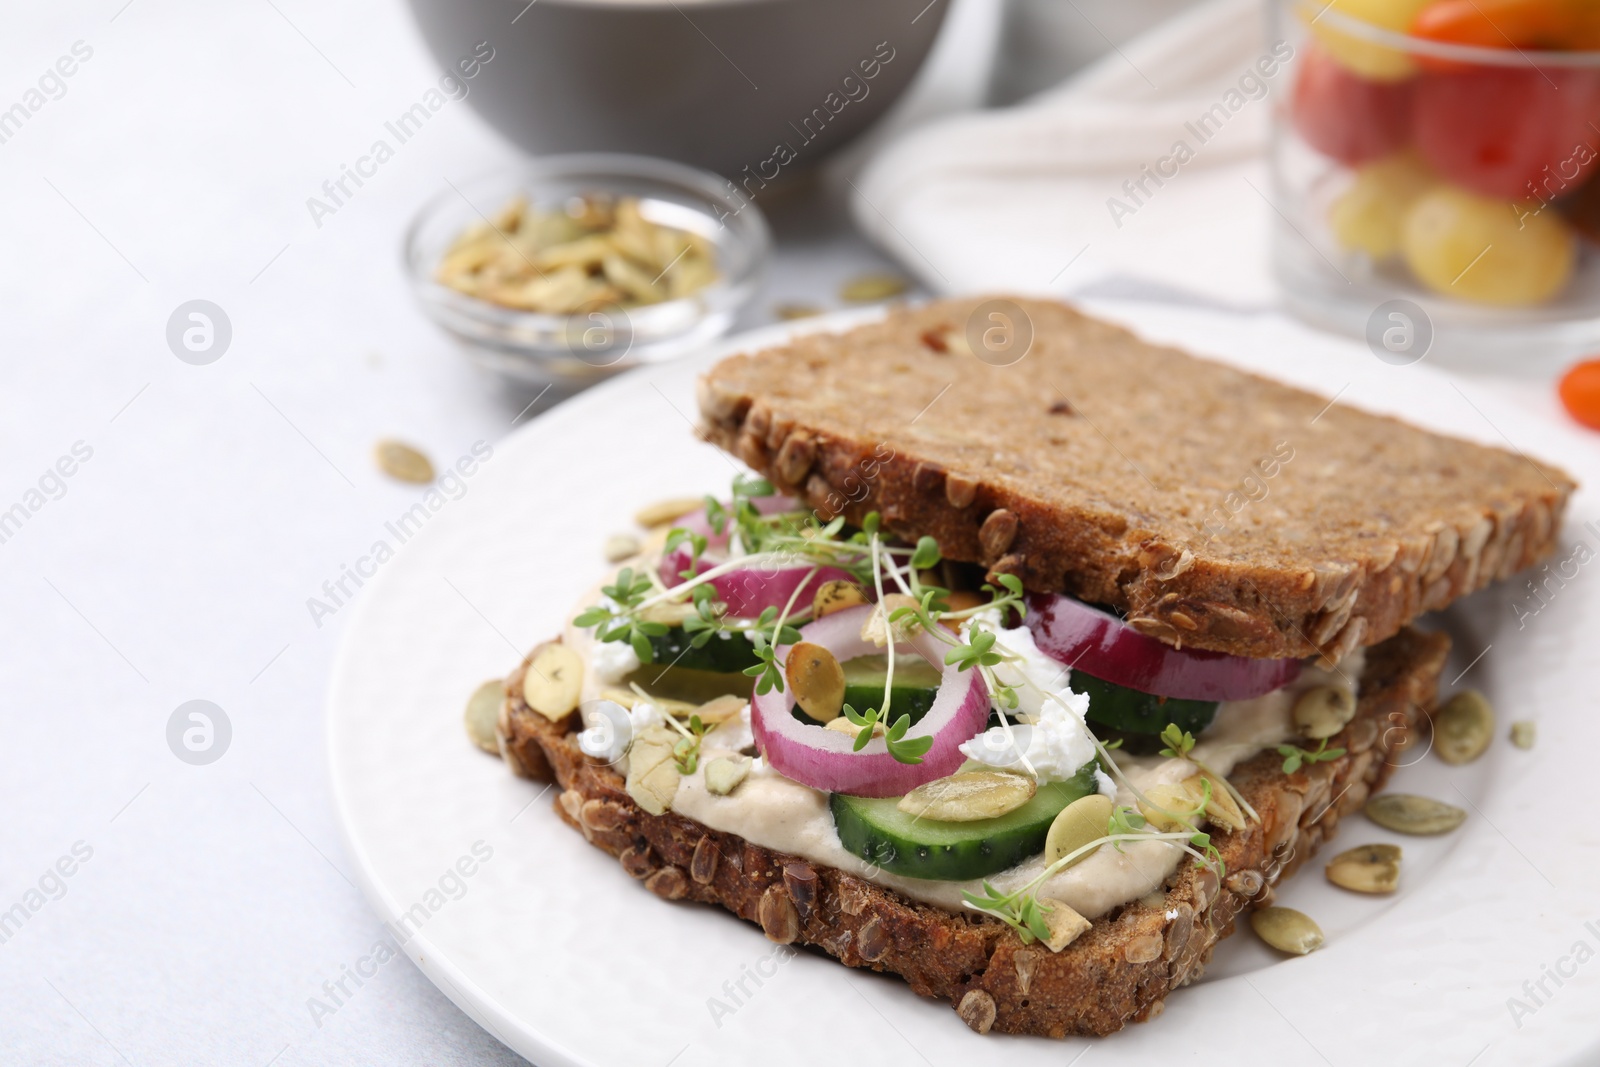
pixel 1051 735
pixel 613 661
pixel 611 727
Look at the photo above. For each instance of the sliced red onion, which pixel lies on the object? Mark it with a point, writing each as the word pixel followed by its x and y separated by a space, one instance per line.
pixel 696 521
pixel 824 759
pixel 748 590
pixel 1100 644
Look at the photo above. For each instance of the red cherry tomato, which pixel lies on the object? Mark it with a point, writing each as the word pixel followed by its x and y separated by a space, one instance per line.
pixel 1580 392
pixel 1527 24
pixel 1347 117
pixel 1513 133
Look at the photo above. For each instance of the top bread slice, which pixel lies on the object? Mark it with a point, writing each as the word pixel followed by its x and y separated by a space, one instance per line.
pixel 1214 508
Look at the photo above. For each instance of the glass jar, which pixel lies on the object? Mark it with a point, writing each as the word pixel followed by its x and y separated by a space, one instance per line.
pixel 1436 195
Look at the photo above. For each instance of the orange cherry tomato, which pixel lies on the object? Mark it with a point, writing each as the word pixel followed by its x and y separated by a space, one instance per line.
pixel 1580 392
pixel 1555 25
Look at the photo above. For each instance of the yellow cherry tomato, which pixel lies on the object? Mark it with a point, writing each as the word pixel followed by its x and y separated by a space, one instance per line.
pixel 1369 215
pixel 1487 251
pixel 1367 58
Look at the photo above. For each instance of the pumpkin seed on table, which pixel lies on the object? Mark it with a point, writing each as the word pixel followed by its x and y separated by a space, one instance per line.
pixel 1522 734
pixel 619 547
pixel 483 714
pixel 553 681
pixel 1463 728
pixel 1405 813
pixel 1287 930
pixel 873 287
pixel 816 680
pixel 724 774
pixel 399 460
pixel 1323 711
pixel 790 312
pixel 664 511
pixel 1366 869
pixel 1082 821
pixel 969 796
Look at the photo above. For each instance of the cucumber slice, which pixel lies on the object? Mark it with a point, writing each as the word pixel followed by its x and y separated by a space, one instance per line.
pixel 1122 708
pixel 727 651
pixel 880 833
pixel 916 684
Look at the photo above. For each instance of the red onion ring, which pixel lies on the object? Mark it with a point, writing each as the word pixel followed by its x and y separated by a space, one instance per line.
pixel 750 590
pixel 1071 632
pixel 824 759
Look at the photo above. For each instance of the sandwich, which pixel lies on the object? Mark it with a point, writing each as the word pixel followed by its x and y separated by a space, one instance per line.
pixel 1027 679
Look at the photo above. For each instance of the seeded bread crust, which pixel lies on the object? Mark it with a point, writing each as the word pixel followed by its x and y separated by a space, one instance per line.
pixel 1120 970
pixel 1137 476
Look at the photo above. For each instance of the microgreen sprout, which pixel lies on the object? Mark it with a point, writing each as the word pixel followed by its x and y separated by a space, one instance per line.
pixel 902 750
pixel 686 753
pixel 628 594
pixel 1294 756
pixel 1180 745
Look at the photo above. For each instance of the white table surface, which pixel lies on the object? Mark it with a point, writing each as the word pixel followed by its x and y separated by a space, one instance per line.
pixel 176 562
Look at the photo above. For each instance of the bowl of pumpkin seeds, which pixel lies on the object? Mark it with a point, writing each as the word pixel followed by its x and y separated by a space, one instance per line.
pixel 571 268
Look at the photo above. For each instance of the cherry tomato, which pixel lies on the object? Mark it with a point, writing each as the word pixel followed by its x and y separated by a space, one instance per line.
pixel 1347 117
pixel 1580 392
pixel 1509 132
pixel 1527 24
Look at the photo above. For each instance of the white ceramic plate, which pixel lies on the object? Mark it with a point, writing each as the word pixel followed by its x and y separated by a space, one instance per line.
pixel 554 950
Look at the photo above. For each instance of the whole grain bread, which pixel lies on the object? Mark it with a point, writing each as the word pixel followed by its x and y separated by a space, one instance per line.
pixel 1120 970
pixel 1215 508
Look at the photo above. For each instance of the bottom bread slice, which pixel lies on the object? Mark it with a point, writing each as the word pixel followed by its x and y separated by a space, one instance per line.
pixel 1120 970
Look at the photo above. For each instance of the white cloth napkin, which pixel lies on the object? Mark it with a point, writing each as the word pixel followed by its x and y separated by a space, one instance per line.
pixel 1064 193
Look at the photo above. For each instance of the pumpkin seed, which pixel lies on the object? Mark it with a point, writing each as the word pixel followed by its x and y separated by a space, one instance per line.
pixel 724 774
pixel 1287 930
pixel 1324 711
pixel 720 709
pixel 871 287
pixel 843 725
pixel 876 626
pixel 836 596
pixel 401 461
pixel 664 511
pixel 1064 922
pixel 1366 869
pixel 790 312
pixel 1407 814
pixel 553 681
pixel 620 547
pixel 969 797
pixel 483 714
pixel 1522 734
pixel 1082 821
pixel 1463 728
pixel 1173 797
pixel 652 770
pixel 816 681
pixel 1221 808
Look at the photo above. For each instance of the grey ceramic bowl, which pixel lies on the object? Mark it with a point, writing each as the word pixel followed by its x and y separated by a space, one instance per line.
pixel 753 89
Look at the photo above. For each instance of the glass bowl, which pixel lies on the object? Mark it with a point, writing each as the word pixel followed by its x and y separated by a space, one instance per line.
pixel 1437 196
pixel 594 343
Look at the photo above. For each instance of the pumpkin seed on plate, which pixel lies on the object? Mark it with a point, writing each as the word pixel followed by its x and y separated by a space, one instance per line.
pixel 1323 711
pixel 1463 728
pixel 1082 821
pixel 872 287
pixel 1522 734
pixel 619 547
pixel 1405 813
pixel 1287 930
pixel 969 796
pixel 399 460
pixel 1366 869
pixel 483 714
pixel 553 681
pixel 664 511
pixel 816 681
pixel 724 774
